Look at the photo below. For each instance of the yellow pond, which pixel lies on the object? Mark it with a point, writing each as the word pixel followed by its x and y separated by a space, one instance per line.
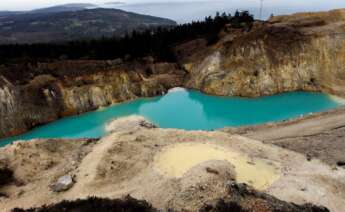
pixel 176 160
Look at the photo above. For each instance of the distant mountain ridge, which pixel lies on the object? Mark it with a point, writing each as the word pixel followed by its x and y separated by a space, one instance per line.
pixel 65 8
pixel 70 22
pixel 52 9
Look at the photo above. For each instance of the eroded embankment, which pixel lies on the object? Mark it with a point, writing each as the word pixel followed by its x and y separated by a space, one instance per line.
pixel 286 53
pixel 137 161
pixel 32 95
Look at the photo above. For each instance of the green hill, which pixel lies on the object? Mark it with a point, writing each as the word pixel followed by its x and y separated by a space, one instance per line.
pixel 48 26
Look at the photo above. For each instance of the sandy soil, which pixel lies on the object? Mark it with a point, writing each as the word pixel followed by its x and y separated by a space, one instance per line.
pixel 130 162
pixel 320 135
pixel 175 161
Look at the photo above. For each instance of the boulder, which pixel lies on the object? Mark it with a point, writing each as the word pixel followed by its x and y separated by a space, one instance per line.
pixel 147 124
pixel 62 184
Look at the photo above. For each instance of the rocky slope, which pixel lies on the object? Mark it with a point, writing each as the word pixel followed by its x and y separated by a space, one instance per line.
pixel 136 159
pixel 287 53
pixel 31 95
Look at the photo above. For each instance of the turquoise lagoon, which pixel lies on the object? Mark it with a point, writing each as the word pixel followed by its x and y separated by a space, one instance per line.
pixel 189 110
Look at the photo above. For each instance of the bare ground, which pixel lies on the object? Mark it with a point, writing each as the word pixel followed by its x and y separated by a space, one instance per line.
pixel 125 163
pixel 320 135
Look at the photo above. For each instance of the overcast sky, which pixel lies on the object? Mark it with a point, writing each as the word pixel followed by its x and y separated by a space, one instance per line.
pixel 32 4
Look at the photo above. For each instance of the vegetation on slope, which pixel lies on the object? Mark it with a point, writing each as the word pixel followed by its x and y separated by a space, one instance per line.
pixel 59 24
pixel 153 42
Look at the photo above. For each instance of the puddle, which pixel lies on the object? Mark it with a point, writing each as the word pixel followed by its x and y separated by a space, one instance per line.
pixel 176 160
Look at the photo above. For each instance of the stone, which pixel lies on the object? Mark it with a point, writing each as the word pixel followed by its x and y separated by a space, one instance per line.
pixel 147 124
pixel 211 171
pixel 62 184
pixel 341 163
pixel 309 157
pixel 129 123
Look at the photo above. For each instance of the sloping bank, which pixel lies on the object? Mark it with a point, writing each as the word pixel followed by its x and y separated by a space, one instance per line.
pixel 140 160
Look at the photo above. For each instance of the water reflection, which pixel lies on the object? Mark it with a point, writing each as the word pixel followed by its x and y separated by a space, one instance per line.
pixel 237 111
pixel 175 110
pixel 189 110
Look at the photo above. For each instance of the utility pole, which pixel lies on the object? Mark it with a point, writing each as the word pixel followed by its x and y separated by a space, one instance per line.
pixel 261 6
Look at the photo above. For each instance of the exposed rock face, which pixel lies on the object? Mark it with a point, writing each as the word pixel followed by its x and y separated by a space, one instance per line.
pixel 24 106
pixel 287 53
pixel 36 94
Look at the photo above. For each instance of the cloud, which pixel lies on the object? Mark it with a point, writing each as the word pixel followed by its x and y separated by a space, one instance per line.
pixel 32 4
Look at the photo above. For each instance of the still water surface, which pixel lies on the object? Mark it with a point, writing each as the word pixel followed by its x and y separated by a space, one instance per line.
pixel 189 110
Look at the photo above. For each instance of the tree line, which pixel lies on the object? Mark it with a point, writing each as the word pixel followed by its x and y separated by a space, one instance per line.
pixel 156 42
